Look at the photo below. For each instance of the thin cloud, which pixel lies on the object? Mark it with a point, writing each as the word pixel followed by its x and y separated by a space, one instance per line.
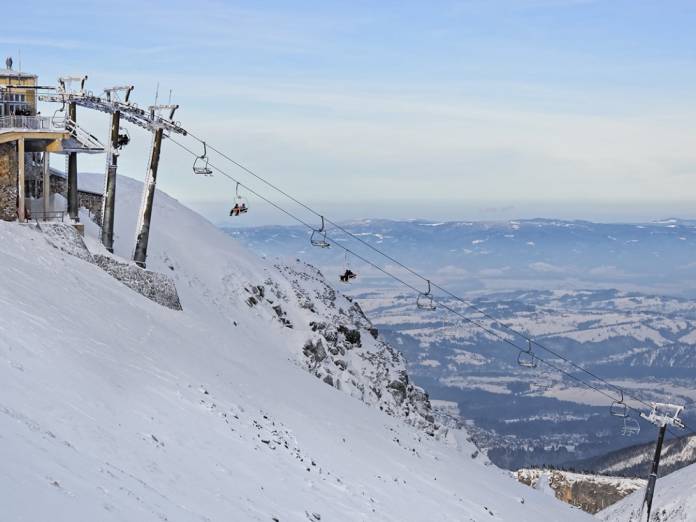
pixel 41 42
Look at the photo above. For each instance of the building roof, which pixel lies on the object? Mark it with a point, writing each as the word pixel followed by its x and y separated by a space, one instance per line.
pixel 11 73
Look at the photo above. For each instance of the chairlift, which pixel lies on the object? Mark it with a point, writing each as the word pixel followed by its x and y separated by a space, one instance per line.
pixel 123 138
pixel 318 237
pixel 630 427
pixel 56 120
pixel 200 164
pixel 537 387
pixel 425 300
pixel 526 358
pixel 348 275
pixel 618 408
pixel 240 203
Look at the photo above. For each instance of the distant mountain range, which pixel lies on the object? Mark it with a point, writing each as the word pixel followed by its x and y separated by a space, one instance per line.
pixel 656 257
pixel 635 461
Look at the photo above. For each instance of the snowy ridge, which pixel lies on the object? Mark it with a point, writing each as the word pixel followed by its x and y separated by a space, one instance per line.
pixel 674 500
pixel 636 460
pixel 116 408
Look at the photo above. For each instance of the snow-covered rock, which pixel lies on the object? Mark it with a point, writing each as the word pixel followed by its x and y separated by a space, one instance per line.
pixel 344 349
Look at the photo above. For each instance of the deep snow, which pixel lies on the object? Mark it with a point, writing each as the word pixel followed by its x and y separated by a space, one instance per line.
pixel 116 408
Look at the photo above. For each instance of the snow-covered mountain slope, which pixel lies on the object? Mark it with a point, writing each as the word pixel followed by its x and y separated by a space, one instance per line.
pixel 117 408
pixel 635 461
pixel 674 500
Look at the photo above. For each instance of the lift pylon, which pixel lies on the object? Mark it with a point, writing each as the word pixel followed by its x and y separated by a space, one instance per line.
pixel 145 214
pixel 112 152
pixel 661 415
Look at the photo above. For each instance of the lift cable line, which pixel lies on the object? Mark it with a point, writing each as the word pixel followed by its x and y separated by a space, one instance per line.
pixel 165 126
pixel 153 121
pixel 468 304
pixel 527 339
pixel 523 351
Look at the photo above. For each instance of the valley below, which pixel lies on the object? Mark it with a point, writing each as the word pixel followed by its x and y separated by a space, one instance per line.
pixel 538 416
pixel 613 298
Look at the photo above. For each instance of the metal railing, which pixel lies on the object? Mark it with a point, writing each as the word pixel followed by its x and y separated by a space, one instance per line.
pixel 50 124
pixel 11 123
pixel 50 215
pixel 85 138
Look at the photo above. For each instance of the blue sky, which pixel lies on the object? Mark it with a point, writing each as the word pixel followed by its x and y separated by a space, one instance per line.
pixel 485 109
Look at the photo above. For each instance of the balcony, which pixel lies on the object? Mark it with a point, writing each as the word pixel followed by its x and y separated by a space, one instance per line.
pixel 73 137
pixel 31 123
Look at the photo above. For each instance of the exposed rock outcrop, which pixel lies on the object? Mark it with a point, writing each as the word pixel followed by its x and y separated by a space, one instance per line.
pixel 344 349
pixel 591 493
pixel 153 285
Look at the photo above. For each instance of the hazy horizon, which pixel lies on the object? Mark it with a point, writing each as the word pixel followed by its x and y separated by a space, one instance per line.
pixel 462 109
pixel 262 214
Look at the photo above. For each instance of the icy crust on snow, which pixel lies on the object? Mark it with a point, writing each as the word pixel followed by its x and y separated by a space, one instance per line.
pixel 674 500
pixel 115 408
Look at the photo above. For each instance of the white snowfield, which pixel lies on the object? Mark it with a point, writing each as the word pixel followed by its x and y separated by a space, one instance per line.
pixel 674 500
pixel 114 408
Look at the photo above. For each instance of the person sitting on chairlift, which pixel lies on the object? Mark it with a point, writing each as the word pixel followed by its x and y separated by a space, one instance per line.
pixel 238 209
pixel 348 275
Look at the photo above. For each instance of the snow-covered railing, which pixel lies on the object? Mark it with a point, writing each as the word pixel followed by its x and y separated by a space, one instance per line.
pixel 38 123
pixel 85 138
pixel 50 124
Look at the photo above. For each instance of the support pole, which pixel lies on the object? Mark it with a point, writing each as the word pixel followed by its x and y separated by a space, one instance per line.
pixel 46 183
pixel 109 198
pixel 143 229
pixel 21 208
pixel 72 172
pixel 650 489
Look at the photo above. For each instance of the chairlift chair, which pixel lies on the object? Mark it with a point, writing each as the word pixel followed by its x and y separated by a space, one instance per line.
pixel 240 203
pixel 618 408
pixel 425 300
pixel 200 164
pixel 526 358
pixel 56 120
pixel 123 138
pixel 348 275
pixel 630 427
pixel 318 237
